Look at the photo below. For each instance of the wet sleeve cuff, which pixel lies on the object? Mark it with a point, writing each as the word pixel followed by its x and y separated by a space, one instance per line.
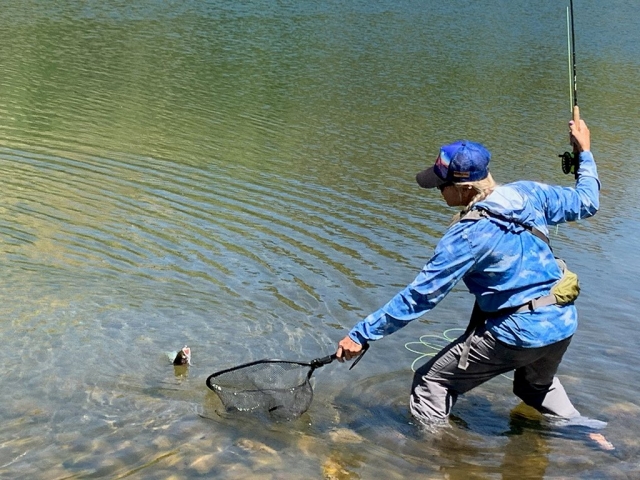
pixel 357 337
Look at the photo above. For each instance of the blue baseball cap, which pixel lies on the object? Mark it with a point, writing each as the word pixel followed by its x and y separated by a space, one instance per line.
pixel 458 162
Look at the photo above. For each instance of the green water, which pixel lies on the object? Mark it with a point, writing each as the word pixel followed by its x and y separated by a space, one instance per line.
pixel 239 177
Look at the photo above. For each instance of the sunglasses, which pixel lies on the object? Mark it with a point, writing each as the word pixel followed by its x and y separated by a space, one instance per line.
pixel 444 185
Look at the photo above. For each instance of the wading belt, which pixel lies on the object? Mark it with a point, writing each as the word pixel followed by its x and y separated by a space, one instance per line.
pixel 479 317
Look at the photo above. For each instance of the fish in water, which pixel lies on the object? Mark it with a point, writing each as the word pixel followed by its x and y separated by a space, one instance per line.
pixel 183 357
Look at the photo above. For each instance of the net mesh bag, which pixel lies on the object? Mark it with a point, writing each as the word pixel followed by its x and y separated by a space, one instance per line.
pixel 280 388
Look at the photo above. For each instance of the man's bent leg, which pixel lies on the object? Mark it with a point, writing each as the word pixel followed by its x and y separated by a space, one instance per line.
pixel 537 385
pixel 437 384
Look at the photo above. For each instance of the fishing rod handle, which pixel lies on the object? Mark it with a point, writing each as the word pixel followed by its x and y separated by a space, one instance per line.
pixel 576 121
pixel 576 149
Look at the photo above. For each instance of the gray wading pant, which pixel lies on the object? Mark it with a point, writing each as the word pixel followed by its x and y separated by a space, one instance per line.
pixel 437 384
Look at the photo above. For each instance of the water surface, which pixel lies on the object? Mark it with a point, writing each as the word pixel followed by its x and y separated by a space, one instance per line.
pixel 239 177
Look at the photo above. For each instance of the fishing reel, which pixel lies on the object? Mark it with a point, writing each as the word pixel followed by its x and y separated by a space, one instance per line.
pixel 570 163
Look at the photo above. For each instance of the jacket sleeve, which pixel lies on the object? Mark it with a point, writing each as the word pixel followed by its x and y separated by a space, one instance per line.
pixel 566 204
pixel 451 260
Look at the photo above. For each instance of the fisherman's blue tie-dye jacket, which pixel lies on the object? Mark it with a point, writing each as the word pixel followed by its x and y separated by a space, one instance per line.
pixel 501 263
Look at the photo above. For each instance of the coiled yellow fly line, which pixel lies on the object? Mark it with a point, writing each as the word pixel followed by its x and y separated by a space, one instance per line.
pixel 429 345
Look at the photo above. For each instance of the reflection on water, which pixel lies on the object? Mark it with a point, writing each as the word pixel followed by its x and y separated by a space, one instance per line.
pixel 238 177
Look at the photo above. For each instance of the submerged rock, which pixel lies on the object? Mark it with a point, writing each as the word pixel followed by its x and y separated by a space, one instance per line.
pixel 203 464
pixel 255 446
pixel 601 441
pixel 334 469
pixel 344 435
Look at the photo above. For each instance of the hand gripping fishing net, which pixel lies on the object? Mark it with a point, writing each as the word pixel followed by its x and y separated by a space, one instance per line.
pixel 279 387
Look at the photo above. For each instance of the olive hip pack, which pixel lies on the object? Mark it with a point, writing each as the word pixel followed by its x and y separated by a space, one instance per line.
pixel 563 292
pixel 567 289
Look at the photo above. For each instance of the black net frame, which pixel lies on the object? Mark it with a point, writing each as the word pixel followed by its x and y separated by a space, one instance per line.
pixel 281 388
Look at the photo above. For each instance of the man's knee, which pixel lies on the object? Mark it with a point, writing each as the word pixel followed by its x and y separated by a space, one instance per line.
pixel 430 401
pixel 529 393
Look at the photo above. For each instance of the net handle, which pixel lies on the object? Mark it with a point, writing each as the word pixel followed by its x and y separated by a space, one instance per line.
pixel 319 362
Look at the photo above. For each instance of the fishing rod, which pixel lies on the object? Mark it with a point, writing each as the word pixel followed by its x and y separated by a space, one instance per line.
pixel 571 160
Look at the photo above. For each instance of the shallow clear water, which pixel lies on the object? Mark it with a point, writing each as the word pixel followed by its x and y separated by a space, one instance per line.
pixel 239 177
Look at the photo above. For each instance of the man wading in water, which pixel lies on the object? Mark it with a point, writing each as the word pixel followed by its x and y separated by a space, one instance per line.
pixel 524 317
